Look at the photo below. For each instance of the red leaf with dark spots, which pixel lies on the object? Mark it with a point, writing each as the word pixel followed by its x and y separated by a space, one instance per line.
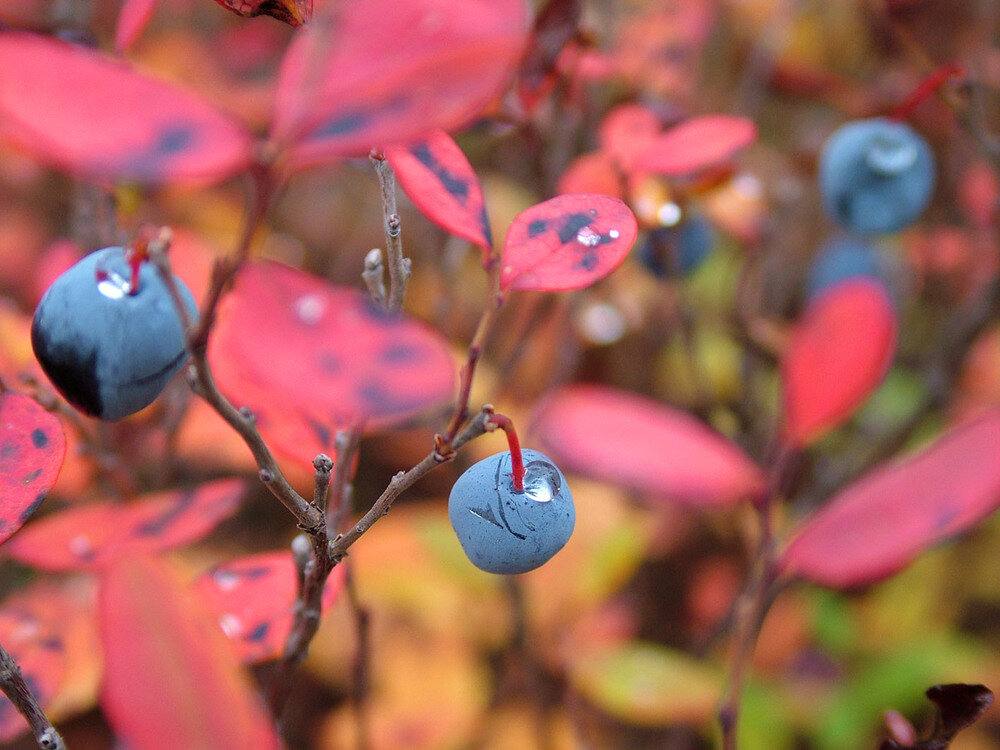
pixel 836 356
pixel 881 523
pixel 310 358
pixel 253 599
pixel 555 26
pixel 100 119
pixel 697 144
pixel 292 12
pixel 644 445
pixel 379 72
pixel 94 536
pixel 171 678
pixel 441 183
pixel 133 18
pixel 32 448
pixel 39 650
pixel 567 242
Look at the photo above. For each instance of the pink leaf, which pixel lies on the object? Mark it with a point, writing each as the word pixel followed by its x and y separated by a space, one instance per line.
pixel 593 172
pixel 880 524
pixel 32 448
pixel 567 242
pixel 627 132
pixel 100 119
pixel 94 536
pixel 644 445
pixel 696 144
pixel 133 18
pixel 836 356
pixel 380 72
pixel 440 181
pixel 253 597
pixel 340 360
pixel 171 678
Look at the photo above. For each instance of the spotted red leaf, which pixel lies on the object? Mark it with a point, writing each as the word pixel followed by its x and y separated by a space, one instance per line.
pixel 171 677
pixel 29 635
pixel 649 447
pixel 292 12
pixel 253 598
pixel 696 144
pixel 881 523
pixel 440 181
pixel 94 536
pixel 309 358
pixel 133 18
pixel 837 354
pixel 567 242
pixel 101 119
pixel 32 448
pixel 381 72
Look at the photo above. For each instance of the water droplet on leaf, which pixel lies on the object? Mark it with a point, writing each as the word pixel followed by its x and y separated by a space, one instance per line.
pixel 588 237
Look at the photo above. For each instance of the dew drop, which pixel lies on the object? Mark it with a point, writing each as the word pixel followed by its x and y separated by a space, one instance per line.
pixel 888 155
pixel 614 234
pixel 669 214
pixel 588 237
pixel 81 546
pixel 232 625
pixel 226 580
pixel 310 309
pixel 541 481
pixel 110 282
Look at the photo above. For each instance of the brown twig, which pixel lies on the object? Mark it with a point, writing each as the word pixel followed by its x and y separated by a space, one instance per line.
pixel 16 689
pixel 341 490
pixel 398 266
pixel 362 662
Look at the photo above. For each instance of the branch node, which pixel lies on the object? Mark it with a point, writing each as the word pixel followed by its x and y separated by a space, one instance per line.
pixel 266 476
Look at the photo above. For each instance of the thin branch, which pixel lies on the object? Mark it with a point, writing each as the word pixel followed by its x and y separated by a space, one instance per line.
pixel 374 276
pixel 362 662
pixel 399 267
pixel 16 689
pixel 342 489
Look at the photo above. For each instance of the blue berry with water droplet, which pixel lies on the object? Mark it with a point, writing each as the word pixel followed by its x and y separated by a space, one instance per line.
pixel 876 175
pixel 108 342
pixel 505 531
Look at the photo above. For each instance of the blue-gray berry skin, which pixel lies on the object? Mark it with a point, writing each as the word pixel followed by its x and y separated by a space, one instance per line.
pixel 110 353
pixel 839 259
pixel 876 175
pixel 503 531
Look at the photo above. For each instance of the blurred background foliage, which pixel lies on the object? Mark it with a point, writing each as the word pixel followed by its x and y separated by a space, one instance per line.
pixel 620 640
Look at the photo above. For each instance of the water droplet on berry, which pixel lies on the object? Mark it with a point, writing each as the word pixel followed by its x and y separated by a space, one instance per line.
pixel 541 481
pixel 588 237
pixel 889 156
pixel 110 282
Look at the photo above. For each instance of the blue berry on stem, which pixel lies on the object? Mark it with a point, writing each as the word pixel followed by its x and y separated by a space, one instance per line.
pixel 506 531
pixel 108 335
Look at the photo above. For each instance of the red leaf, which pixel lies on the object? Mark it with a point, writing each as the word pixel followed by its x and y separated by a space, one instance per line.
pixel 32 448
pixel 252 598
pixel 94 536
pixel 555 26
pixel 171 677
pixel 881 523
pixel 341 359
pixel 627 132
pixel 836 356
pixel 641 444
pixel 441 183
pixel 567 242
pixel 696 144
pixel 292 12
pixel 382 72
pixel 133 18
pixel 100 119
pixel 593 172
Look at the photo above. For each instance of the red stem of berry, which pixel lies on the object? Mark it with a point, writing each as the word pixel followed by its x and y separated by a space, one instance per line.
pixel 926 87
pixel 516 460
pixel 137 253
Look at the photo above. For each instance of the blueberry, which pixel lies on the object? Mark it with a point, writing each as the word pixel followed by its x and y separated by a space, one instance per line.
pixel 679 249
pixel 110 353
pixel 876 175
pixel 503 531
pixel 839 259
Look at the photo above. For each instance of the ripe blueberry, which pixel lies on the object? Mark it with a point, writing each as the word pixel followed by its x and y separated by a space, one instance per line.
pixel 841 258
pixel 110 353
pixel 876 175
pixel 679 249
pixel 504 531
